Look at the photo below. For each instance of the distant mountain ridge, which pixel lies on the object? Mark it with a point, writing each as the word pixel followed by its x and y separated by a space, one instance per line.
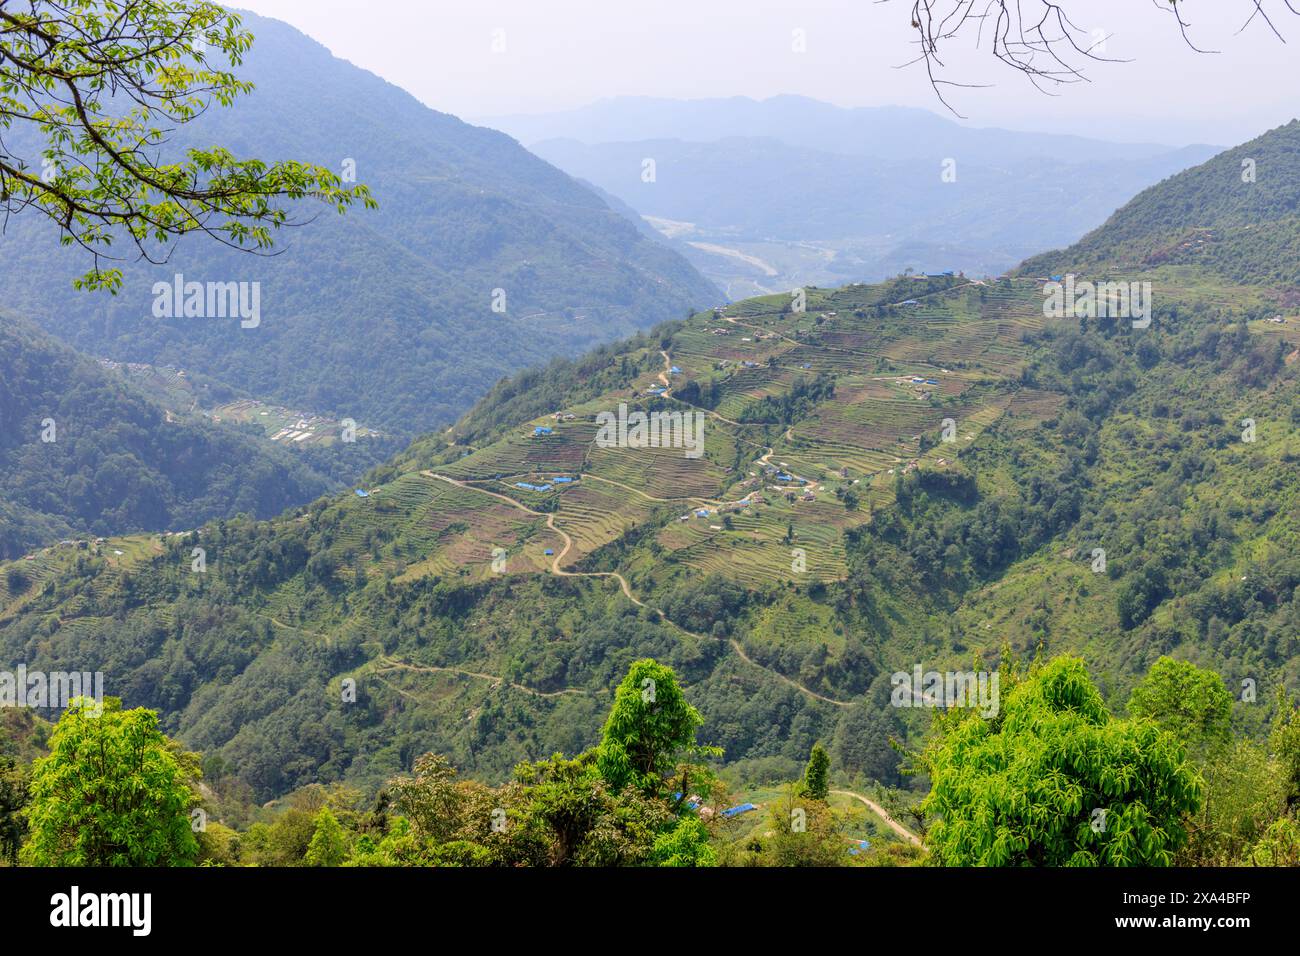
pixel 884 132
pixel 810 193
pixel 791 192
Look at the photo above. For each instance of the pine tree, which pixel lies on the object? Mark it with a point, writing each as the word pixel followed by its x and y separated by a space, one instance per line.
pixel 816 778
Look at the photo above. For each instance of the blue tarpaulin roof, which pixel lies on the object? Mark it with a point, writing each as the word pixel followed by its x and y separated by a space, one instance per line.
pixel 736 811
pixel 362 494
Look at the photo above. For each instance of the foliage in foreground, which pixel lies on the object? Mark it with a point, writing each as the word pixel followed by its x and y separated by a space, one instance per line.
pixel 114 791
pixel 1055 780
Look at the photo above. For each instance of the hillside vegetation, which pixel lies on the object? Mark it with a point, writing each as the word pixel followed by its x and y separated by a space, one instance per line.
pixel 912 550
pixel 82 452
pixel 1236 217
pixel 929 472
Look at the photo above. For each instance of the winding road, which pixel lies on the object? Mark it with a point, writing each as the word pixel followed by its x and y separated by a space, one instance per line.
pixel 627 589
pixel 879 811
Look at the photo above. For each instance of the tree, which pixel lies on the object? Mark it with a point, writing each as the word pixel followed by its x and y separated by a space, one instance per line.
pixel 816 778
pixel 429 799
pixel 1188 702
pixel 1284 742
pixel 13 798
pixel 329 845
pixel 649 727
pixel 569 807
pixel 1140 594
pixel 804 832
pixel 285 841
pixel 114 791
pixel 219 845
pixel 1054 780
pixel 97 85
pixel 1280 845
pixel 687 844
pixel 1244 793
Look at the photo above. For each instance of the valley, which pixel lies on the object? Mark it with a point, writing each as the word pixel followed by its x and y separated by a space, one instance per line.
pixel 825 428
pixel 730 481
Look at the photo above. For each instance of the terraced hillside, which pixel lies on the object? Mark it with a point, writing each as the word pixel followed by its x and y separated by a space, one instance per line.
pixel 912 472
pixel 780 470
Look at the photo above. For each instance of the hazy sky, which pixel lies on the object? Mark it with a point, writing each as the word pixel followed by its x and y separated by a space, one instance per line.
pixel 560 54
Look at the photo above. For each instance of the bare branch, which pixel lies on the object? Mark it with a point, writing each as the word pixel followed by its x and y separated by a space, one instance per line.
pixel 1037 38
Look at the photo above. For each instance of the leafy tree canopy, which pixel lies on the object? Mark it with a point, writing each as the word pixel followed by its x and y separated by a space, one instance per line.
pixel 1054 780
pixel 1188 702
pixel 114 791
pixel 649 727
pixel 816 778
pixel 99 84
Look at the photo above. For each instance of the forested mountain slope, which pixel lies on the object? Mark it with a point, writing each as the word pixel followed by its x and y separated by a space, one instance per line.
pixel 912 473
pixel 82 452
pixel 1236 217
pixel 383 316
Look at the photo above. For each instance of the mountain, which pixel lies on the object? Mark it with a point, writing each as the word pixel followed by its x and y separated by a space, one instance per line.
pixel 860 209
pixel 1236 217
pixel 787 192
pixel 82 452
pixel 383 316
pixel 919 473
pixel 882 132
